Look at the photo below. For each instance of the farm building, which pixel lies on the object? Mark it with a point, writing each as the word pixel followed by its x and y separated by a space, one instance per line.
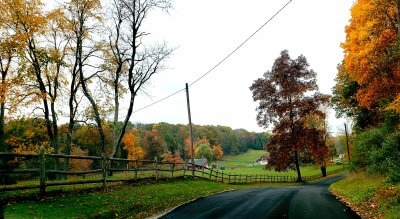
pixel 262 160
pixel 199 163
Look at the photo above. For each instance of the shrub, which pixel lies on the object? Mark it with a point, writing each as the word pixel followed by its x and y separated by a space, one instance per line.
pixel 378 151
pixel 389 157
pixel 364 145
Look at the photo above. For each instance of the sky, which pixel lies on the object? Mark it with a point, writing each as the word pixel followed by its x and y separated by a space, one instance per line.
pixel 205 31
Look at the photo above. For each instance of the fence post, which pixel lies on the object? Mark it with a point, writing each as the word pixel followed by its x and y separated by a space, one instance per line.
pixel 246 178
pixel 155 168
pixel 216 176
pixel 42 172
pixel 229 178
pixel 211 173
pixel 222 176
pixel 104 168
pixel 184 168
pixel 136 168
pixel 173 167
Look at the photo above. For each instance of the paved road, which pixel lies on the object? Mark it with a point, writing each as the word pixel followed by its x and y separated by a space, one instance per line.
pixel 305 201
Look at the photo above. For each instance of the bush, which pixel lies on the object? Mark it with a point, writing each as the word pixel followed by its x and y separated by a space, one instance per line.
pixel 378 151
pixel 390 157
pixel 364 145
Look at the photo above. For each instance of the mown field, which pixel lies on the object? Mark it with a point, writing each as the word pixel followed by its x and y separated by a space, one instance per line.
pixel 371 196
pixel 245 164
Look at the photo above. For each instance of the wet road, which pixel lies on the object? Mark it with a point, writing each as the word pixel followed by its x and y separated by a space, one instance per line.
pixel 305 201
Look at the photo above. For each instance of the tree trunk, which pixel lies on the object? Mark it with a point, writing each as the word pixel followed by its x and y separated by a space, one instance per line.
pixel 323 170
pixel 3 177
pixel 398 20
pixel 116 130
pixel 296 160
pixel 55 137
pixel 123 129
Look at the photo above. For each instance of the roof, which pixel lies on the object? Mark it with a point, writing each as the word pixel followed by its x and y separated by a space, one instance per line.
pixel 200 162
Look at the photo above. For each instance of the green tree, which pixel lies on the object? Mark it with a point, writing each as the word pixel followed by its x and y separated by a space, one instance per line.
pixel 204 151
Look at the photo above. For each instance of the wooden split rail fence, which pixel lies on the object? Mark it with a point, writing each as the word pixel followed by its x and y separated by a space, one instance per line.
pixel 107 168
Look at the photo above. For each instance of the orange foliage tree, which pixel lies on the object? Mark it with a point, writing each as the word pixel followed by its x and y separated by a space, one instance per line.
pixel 217 152
pixel 131 145
pixel 173 158
pixel 372 55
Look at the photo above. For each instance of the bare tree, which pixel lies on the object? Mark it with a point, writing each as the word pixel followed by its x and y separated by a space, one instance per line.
pixel 130 56
pixel 84 15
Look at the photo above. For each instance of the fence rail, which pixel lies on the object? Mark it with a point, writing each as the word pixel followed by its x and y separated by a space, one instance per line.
pixel 134 169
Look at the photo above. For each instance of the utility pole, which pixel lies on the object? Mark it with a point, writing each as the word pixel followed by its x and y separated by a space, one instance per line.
pixel 347 141
pixel 190 128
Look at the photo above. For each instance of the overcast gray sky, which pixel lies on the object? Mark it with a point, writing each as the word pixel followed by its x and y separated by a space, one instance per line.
pixel 205 31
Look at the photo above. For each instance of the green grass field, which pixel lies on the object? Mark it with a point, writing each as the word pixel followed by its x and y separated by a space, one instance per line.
pixel 245 164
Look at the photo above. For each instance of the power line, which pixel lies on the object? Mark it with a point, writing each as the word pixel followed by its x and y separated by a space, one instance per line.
pixel 162 99
pixel 173 94
pixel 220 62
pixel 244 42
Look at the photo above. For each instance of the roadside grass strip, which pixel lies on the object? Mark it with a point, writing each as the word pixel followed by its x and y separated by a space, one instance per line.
pixel 371 196
pixel 120 201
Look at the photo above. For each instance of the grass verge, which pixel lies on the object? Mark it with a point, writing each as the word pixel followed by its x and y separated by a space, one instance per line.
pixel 121 201
pixel 369 195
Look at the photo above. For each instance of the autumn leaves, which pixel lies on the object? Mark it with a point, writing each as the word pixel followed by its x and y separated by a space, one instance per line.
pixel 368 80
pixel 288 99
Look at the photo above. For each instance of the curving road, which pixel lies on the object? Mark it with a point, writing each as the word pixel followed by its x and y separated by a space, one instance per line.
pixel 305 201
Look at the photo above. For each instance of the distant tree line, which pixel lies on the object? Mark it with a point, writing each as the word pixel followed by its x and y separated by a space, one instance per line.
pixel 143 141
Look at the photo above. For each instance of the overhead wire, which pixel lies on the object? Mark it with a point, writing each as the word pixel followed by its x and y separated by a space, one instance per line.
pixel 220 62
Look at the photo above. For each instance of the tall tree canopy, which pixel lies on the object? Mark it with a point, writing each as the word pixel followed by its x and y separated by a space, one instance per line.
pixel 372 51
pixel 287 95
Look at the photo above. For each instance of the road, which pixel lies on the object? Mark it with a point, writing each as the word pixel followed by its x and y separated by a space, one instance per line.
pixel 305 201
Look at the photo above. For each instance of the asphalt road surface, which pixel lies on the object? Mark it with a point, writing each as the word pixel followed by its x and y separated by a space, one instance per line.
pixel 305 201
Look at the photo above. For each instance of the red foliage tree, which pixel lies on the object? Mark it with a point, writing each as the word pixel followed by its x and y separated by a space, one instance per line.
pixel 286 95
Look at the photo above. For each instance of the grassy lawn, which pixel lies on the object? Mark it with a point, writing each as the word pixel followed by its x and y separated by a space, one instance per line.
pixel 122 201
pixel 259 169
pixel 369 195
pixel 245 164
pixel 242 160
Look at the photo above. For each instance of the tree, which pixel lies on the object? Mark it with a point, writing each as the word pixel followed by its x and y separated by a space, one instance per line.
pixel 10 48
pixel 153 143
pixel 287 95
pixel 204 151
pixel 372 52
pixel 217 152
pixel 131 144
pixel 80 164
pixel 84 15
pixel 129 53
pixel 318 134
pixel 345 102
